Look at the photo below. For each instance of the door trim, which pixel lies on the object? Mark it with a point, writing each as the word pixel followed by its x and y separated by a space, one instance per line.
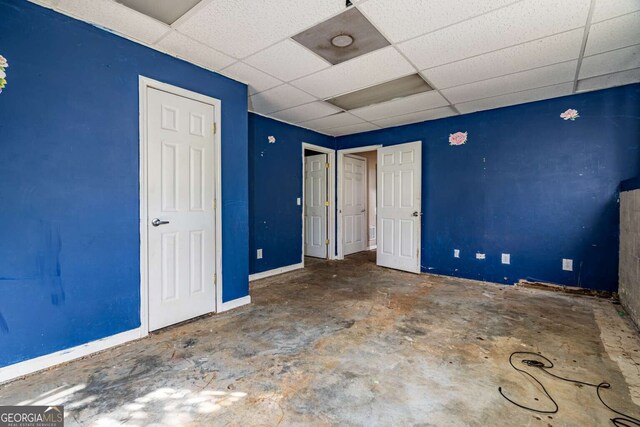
pixel 331 156
pixel 338 211
pixel 144 83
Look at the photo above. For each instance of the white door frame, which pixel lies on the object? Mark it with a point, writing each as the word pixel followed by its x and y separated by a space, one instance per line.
pixel 144 84
pixel 331 156
pixel 341 154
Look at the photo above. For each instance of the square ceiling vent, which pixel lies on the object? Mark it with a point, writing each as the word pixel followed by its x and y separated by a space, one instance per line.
pixel 167 11
pixel 343 37
pixel 398 88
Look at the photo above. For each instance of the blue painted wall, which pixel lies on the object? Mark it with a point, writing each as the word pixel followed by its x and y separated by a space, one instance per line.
pixel 526 183
pixel 275 174
pixel 69 233
pixel 630 184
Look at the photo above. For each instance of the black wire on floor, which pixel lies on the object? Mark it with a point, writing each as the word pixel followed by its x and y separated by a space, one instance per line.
pixel 624 420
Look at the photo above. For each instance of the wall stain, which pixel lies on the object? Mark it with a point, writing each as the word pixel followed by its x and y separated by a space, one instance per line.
pixel 49 263
pixel 4 327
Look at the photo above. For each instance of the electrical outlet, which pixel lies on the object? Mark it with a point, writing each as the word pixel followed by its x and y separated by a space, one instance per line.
pixel 480 256
pixel 298 201
pixel 456 253
pixel 567 264
pixel 506 258
pixel 259 254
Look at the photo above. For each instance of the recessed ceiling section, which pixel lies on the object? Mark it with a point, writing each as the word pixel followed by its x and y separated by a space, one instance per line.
pixel 398 88
pixel 343 37
pixel 167 11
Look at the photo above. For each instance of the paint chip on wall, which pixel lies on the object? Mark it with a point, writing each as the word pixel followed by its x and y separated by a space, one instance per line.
pixel 3 66
pixel 570 114
pixel 271 139
pixel 458 138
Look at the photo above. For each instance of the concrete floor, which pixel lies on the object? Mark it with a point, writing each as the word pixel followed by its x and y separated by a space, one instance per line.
pixel 349 343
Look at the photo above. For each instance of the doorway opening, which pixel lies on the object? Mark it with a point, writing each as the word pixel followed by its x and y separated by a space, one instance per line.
pixel 357 198
pixel 318 213
pixel 379 204
pixel 180 186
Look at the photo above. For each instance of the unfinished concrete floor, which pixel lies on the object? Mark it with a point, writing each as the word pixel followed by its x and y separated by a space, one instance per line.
pixel 349 343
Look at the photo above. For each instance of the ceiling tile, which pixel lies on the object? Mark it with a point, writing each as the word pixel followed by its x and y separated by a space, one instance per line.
pixel 420 116
pixel 333 121
pixel 305 112
pixel 410 104
pixel 287 60
pixel 613 34
pixel 516 98
pixel 606 9
pixel 409 18
pixel 367 70
pixel 610 62
pixel 538 53
pixel 116 17
pixel 609 80
pixel 531 79
pixel 190 50
pixel 278 98
pixel 348 130
pixel 256 79
pixel 45 3
pixel 364 37
pixel 241 28
pixel 519 23
pixel 167 11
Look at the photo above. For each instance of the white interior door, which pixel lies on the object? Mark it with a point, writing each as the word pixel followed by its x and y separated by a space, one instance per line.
pixel 180 208
pixel 354 204
pixel 315 205
pixel 399 209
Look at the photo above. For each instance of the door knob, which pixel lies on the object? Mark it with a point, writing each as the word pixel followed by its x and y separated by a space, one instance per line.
pixel 156 222
pixel 363 211
pixel 416 213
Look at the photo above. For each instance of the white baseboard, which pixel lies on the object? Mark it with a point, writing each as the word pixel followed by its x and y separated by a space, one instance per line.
pixel 30 366
pixel 372 247
pixel 275 271
pixel 234 303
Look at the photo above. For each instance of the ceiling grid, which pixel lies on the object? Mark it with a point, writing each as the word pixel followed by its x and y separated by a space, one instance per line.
pixel 475 54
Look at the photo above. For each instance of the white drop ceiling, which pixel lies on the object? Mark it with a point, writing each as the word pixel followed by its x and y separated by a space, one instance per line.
pixel 476 54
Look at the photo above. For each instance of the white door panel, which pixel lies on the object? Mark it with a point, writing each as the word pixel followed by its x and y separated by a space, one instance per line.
pixel 180 196
pixel 315 208
pixel 354 204
pixel 399 208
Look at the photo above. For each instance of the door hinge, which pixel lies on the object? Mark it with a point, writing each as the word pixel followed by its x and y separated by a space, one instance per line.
pixel 214 128
pixel 326 203
pixel 326 165
pixel 215 279
pixel 215 204
pixel 326 242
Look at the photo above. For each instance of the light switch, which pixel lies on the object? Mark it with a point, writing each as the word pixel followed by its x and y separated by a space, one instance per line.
pixel 299 201
pixel 259 254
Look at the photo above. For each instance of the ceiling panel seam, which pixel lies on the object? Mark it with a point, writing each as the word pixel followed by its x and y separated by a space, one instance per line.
pixel 395 46
pixel 583 47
